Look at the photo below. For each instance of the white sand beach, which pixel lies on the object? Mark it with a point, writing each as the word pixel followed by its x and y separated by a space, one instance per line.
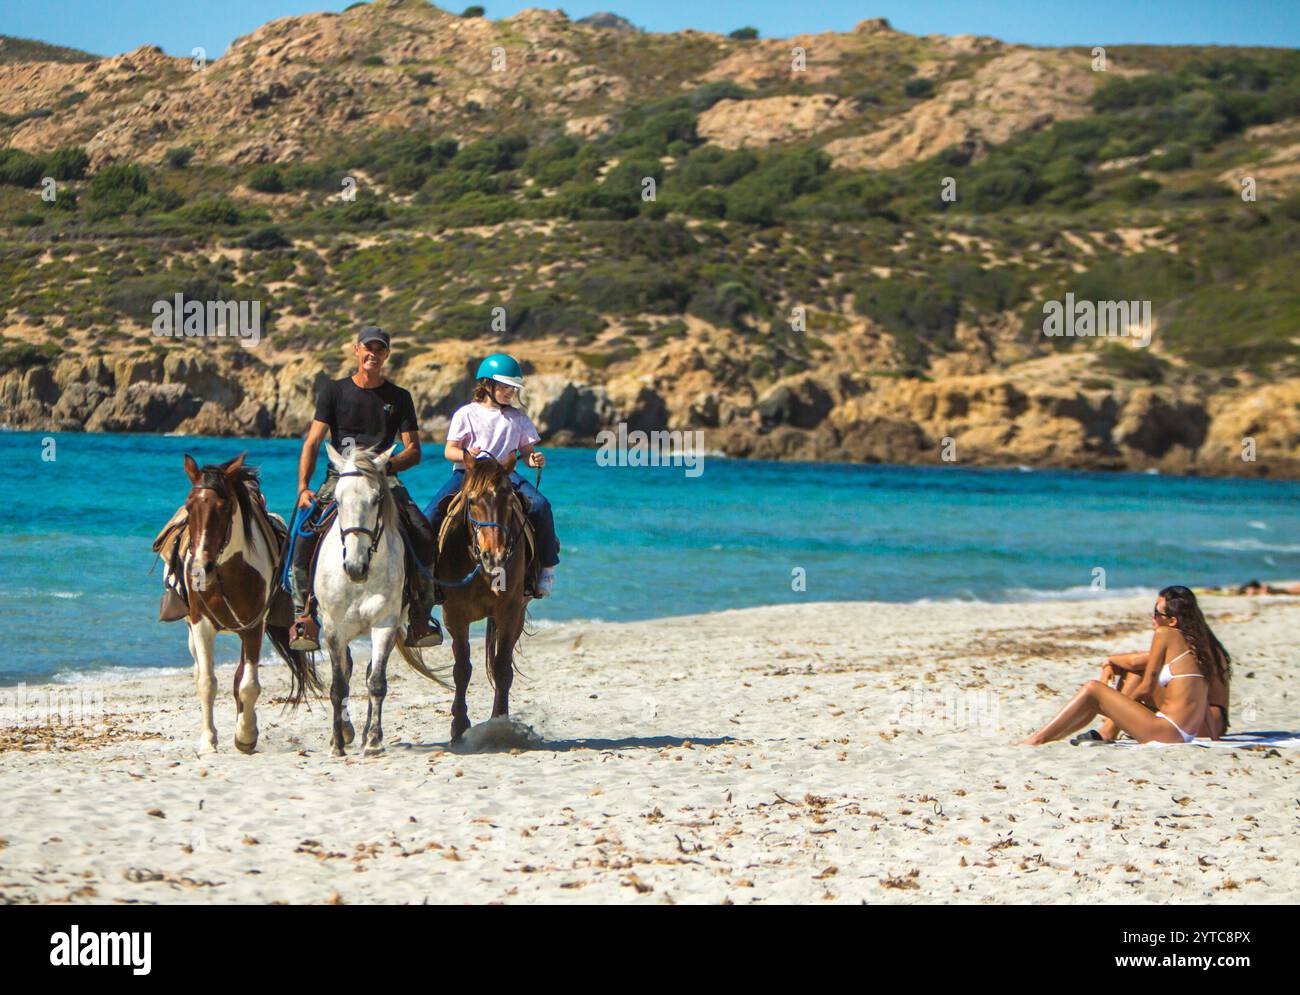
pixel 821 752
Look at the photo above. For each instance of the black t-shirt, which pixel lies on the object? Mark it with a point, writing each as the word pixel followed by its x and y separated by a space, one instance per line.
pixel 370 417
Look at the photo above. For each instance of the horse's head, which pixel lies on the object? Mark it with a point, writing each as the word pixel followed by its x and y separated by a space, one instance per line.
pixel 365 505
pixel 210 508
pixel 487 494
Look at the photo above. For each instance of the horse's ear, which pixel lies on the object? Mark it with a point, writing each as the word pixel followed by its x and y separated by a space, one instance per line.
pixel 382 459
pixel 336 457
pixel 235 465
pixel 192 469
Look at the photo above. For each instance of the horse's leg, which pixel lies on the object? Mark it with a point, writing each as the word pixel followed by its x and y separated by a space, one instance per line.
pixel 202 636
pixel 338 651
pixel 349 732
pixel 508 630
pixel 381 643
pixel 460 671
pixel 247 690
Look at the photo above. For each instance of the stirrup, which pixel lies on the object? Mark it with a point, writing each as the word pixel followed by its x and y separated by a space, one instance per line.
pixel 173 607
pixel 302 641
pixel 427 641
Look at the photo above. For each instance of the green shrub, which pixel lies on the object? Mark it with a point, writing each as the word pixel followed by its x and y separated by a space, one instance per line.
pixel 918 87
pixel 1134 189
pixel 1131 364
pixel 179 157
pixel 19 168
pixel 265 238
pixel 117 189
pixel 1177 157
pixel 728 305
pixel 67 163
pixel 25 355
pixel 1008 186
pixel 744 34
pixel 211 211
pixel 267 179
pixel 475 10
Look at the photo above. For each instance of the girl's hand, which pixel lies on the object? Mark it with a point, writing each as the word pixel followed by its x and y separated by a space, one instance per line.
pixel 536 460
pixel 473 452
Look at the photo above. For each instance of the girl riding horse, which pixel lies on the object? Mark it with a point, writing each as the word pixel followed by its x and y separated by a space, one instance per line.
pixel 491 425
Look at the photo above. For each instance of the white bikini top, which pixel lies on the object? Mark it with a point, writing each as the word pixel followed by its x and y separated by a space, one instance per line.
pixel 1167 675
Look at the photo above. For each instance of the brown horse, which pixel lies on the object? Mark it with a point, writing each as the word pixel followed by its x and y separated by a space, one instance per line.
pixel 229 573
pixel 483 565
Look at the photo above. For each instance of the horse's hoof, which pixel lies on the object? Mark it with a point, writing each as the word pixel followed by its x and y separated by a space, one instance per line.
pixel 206 746
pixel 246 748
pixel 458 729
pixel 373 751
pixel 349 734
pixel 337 751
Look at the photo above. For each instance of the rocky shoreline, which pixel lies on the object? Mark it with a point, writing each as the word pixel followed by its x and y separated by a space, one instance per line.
pixel 1029 415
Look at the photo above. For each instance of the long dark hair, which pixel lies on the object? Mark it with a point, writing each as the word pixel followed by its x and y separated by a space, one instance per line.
pixel 1210 655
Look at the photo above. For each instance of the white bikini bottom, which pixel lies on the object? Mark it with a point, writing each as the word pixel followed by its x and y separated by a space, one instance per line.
pixel 1187 737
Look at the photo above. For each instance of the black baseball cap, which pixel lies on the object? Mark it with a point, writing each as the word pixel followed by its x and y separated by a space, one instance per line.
pixel 373 333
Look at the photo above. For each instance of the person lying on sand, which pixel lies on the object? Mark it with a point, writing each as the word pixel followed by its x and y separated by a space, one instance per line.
pixel 1184 654
pixel 1253 588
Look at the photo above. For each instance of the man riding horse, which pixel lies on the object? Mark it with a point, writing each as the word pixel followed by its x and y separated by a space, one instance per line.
pixel 367 411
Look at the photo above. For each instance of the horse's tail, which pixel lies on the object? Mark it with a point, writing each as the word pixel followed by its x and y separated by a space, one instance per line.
pixel 415 660
pixel 303 679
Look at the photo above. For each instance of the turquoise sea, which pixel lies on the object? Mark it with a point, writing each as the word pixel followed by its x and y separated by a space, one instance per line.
pixel 77 599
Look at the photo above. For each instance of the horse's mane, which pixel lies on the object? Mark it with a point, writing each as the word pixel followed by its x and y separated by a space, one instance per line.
pixel 363 461
pixel 482 476
pixel 215 475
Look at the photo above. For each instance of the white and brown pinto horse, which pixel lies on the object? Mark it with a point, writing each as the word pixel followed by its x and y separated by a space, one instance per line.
pixel 229 572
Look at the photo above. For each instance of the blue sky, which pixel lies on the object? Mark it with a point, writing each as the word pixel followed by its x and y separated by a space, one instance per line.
pixel 108 27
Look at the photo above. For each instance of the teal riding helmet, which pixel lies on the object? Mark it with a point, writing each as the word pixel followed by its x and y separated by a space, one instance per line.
pixel 502 368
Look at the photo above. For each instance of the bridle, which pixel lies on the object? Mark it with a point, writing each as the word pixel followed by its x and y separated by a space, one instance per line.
pixel 240 625
pixel 225 495
pixel 474 525
pixel 375 534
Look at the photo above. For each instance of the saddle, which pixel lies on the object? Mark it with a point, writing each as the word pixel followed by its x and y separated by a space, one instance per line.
pixel 172 544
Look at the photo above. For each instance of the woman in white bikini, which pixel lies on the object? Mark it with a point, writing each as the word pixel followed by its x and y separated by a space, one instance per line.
pixel 1184 654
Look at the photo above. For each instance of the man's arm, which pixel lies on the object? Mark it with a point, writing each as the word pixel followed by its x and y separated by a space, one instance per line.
pixel 410 454
pixel 307 461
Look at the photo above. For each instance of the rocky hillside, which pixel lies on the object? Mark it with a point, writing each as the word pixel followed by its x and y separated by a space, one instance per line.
pixel 832 246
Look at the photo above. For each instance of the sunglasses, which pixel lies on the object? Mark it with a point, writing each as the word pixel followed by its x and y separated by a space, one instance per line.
pixel 1157 611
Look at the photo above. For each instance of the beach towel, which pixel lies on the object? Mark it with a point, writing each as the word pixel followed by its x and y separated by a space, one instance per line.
pixel 1234 741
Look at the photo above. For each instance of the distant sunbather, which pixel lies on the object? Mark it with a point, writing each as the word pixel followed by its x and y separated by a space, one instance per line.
pixel 1155 701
